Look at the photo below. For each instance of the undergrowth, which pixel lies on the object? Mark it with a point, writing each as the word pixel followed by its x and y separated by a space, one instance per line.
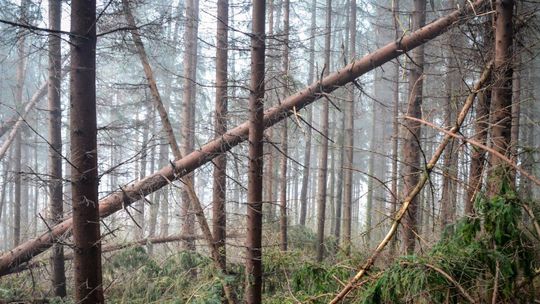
pixel 490 257
pixel 478 255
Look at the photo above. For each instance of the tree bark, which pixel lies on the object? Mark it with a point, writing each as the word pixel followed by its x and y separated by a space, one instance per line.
pixel 84 179
pixel 55 149
pixel 219 196
pixel 323 154
pixel 501 96
pixel 256 127
pixel 349 141
pixel 133 192
pixel 411 145
pixel 20 77
pixel 451 155
pixel 395 126
pixel 284 135
pixel 188 113
pixel 307 151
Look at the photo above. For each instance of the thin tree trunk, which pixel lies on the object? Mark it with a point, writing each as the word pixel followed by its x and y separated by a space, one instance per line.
pixel 284 135
pixel 219 210
pixel 20 76
pixel 395 127
pixel 349 141
pixel 256 126
pixel 323 154
pixel 411 146
pixel 188 113
pixel 451 155
pixel 307 151
pixel 84 179
pixel 133 192
pixel 55 149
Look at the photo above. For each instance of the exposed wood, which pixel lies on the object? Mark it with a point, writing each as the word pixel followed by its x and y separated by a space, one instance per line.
pixel 133 192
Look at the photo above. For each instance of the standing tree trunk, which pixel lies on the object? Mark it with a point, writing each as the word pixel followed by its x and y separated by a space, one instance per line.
pixel 348 154
pixel 256 127
pixel 451 154
pixel 501 95
pixel 284 136
pixel 481 128
pixel 411 146
pixel 395 127
pixel 86 230
pixel 20 76
pixel 220 127
pixel 307 151
pixel 55 148
pixel 188 113
pixel 323 155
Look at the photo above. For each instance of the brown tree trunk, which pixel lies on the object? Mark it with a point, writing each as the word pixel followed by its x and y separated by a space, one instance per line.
pixel 84 179
pixel 478 156
pixel 323 154
pixel 219 210
pixel 307 151
pixel 284 135
pixel 501 95
pixel 349 140
pixel 451 154
pixel 255 169
pixel 159 179
pixel 411 145
pixel 55 148
pixel 188 113
pixel 20 76
pixel 395 127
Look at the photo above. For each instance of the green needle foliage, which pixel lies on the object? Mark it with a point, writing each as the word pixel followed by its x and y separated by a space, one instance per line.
pixel 488 252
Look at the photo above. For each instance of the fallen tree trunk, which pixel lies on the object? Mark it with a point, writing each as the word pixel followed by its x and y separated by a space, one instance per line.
pixel 116 247
pixel 16 124
pixel 480 85
pixel 138 190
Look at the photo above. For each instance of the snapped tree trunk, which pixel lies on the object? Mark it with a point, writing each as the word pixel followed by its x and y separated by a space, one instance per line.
pixel 161 178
